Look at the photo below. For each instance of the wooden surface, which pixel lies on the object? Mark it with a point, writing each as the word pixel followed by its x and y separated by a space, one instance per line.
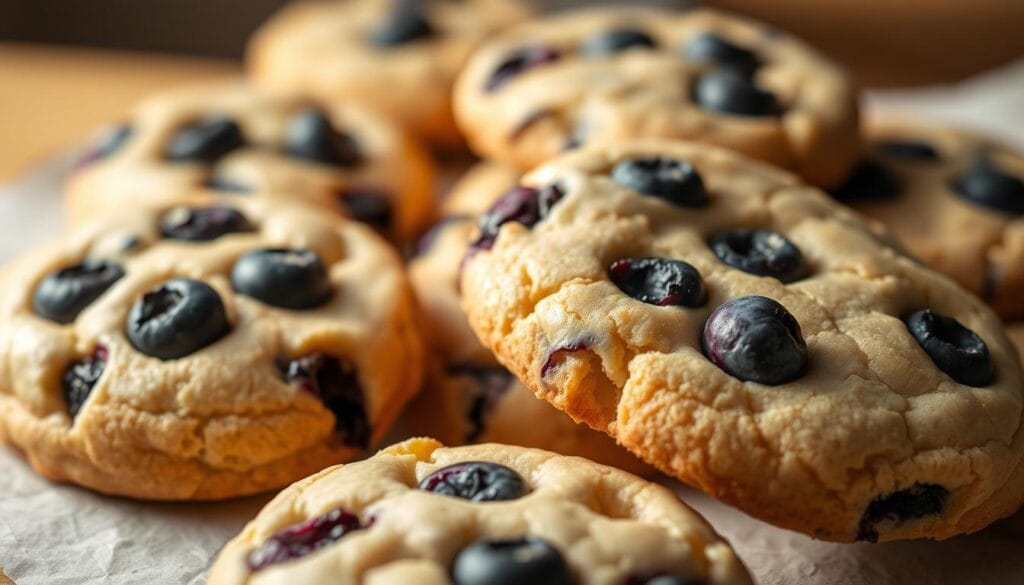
pixel 51 97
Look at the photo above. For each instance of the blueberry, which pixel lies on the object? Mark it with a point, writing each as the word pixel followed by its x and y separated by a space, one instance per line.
pixel 616 40
pixel 80 378
pixel 63 294
pixel 675 181
pixel 666 580
pixel 913 150
pixel 524 205
pixel 955 349
pixel 282 277
pixel 659 281
pixel 299 540
pixel 554 359
pixel 732 92
pixel 476 481
pixel 522 561
pixel 369 205
pixel 755 339
pixel 519 61
pixel 336 384
pixel 405 23
pixel 176 319
pixel 491 383
pixel 107 142
pixel 311 136
pixel 868 181
pixel 990 187
pixel 915 502
pixel 204 141
pixel 708 47
pixel 761 252
pixel 202 224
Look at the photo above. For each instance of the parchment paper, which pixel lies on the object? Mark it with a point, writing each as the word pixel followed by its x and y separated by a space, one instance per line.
pixel 57 535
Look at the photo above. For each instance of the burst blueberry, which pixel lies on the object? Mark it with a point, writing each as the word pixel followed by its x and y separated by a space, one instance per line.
pixel 80 378
pixel 918 501
pixel 336 384
pixel 761 252
pixel 675 181
pixel 301 539
pixel 955 349
pixel 176 319
pixel 476 481
pixel 63 294
pixel 659 281
pixel 524 205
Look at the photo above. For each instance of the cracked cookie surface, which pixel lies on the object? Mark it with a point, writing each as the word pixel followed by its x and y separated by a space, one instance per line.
pixel 829 404
pixel 574 520
pixel 599 76
pixel 204 351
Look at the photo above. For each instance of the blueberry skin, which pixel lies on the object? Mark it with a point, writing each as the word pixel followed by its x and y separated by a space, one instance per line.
pixel 666 580
pixel 176 319
pixel 202 224
pixel 918 501
pixel 519 62
pixel 282 277
pixel 522 561
pixel 755 339
pixel 955 349
pixel 299 540
pixel 910 150
pixel 761 252
pixel 311 136
pixel 80 378
pixel 617 40
pixel 336 384
pixel 728 91
pixel 63 294
pixel 709 47
pixel 868 181
pixel 524 205
pixel 405 23
pixel 369 205
pixel 675 181
pixel 659 281
pixel 204 141
pixel 989 187
pixel 476 481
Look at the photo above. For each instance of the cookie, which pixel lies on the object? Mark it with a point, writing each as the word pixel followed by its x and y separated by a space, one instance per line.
pixel 204 351
pixel 469 397
pixel 228 139
pixel 748 335
pixel 418 512
pixel 401 56
pixel 955 199
pixel 600 76
pixel 1016 331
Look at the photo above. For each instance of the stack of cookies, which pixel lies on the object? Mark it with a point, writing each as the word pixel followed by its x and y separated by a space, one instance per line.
pixel 681 252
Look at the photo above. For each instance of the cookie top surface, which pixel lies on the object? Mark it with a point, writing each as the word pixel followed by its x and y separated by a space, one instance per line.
pixel 204 352
pixel 599 76
pixel 1016 331
pixel 229 139
pixel 955 199
pixel 754 338
pixel 421 513
pixel 401 56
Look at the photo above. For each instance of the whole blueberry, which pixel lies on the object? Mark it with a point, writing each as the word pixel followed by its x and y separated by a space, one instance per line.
pixel 761 252
pixel 666 580
pixel 336 384
pixel 710 48
pixel 521 561
pixel 299 540
pixel 311 136
pixel 524 205
pixel 729 91
pixel 659 281
pixel 63 294
pixel 107 142
pixel 205 140
pixel 405 22
pixel 283 277
pixel 617 40
pixel 911 150
pixel 176 319
pixel 868 181
pixel 755 339
pixel 918 501
pixel 476 481
pixel 519 61
pixel 80 378
pixel 675 181
pixel 369 205
pixel 988 186
pixel 202 224
pixel 955 349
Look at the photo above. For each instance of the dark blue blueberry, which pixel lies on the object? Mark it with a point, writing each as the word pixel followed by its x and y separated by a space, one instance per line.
pixel 311 136
pixel 761 252
pixel 336 384
pixel 913 150
pixel 299 540
pixel 80 378
pixel 710 48
pixel 918 501
pixel 617 40
pixel 202 224
pixel 176 319
pixel 755 339
pixel 675 181
pixel 524 205
pixel 729 91
pixel 955 349
pixel 666 580
pixel 986 185
pixel 204 141
pixel 868 181
pixel 491 383
pixel 476 481
pixel 518 62
pixel 283 277
pixel 521 561
pixel 406 22
pixel 369 205
pixel 63 294
pixel 659 281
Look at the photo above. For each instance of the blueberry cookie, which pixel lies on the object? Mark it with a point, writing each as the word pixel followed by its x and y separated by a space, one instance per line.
pixel 420 513
pixel 750 336
pixel 469 397
pixel 226 138
pixel 599 76
pixel 1016 331
pixel 956 200
pixel 204 351
pixel 401 56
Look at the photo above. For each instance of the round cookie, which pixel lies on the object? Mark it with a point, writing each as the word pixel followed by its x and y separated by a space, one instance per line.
pixel 748 335
pixel 599 76
pixel 469 397
pixel 421 513
pixel 401 56
pixel 204 351
pixel 956 200
pixel 229 139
